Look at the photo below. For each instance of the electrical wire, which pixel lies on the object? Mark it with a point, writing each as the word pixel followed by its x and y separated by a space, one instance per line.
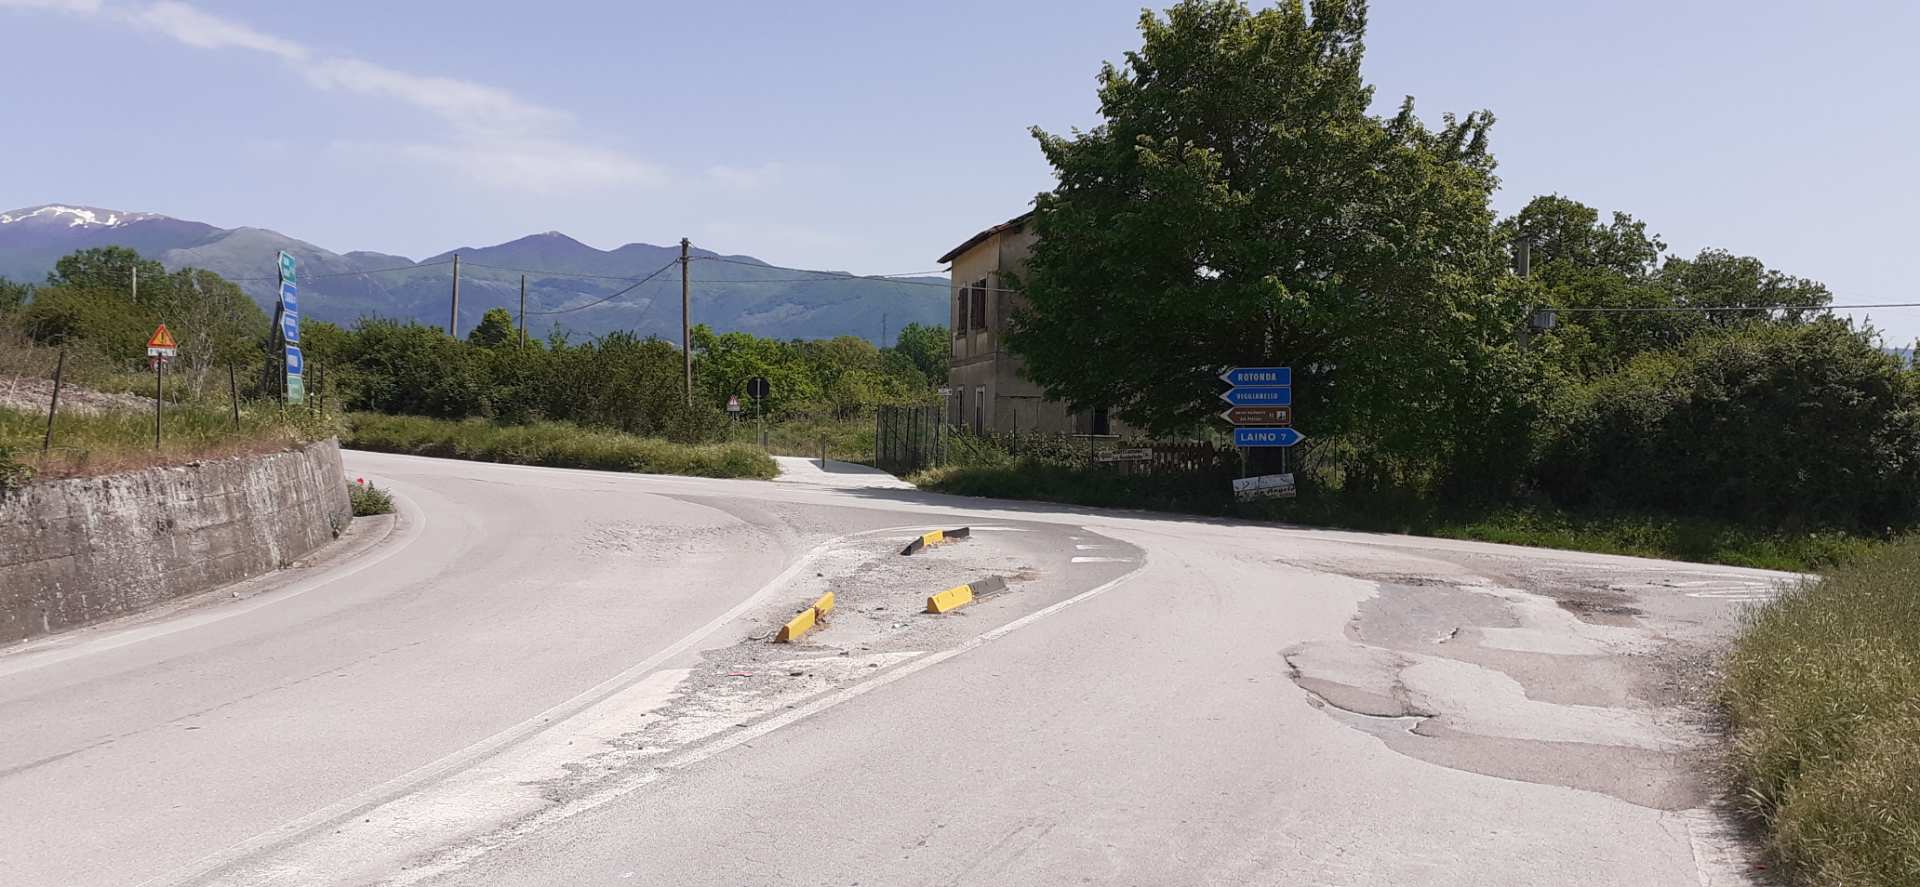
pixel 549 273
pixel 833 275
pixel 1704 309
pixel 636 285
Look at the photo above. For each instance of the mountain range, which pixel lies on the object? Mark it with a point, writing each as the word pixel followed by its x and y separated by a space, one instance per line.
pixel 566 280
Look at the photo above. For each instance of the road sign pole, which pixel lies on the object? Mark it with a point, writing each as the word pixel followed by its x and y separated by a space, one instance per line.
pixel 159 364
pixel 233 393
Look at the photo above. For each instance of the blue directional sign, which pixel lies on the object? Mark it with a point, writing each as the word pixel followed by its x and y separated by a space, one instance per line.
pixel 1258 397
pixel 290 295
pixel 296 362
pixel 290 326
pixel 1259 376
pixel 1266 437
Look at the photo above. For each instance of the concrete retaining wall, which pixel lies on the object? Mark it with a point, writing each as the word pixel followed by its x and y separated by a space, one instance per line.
pixel 78 551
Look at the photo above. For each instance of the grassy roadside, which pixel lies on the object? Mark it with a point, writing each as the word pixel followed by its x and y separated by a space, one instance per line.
pixel 847 440
pixel 1630 534
pixel 1822 692
pixel 552 444
pixel 112 441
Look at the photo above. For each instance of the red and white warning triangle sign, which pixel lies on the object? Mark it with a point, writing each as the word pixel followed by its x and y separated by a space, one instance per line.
pixel 162 344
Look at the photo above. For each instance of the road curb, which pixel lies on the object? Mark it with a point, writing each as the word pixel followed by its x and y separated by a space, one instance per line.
pixel 805 622
pixel 935 538
pixel 962 595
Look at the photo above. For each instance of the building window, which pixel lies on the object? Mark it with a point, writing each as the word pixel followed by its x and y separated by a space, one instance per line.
pixel 979 408
pixel 979 305
pixel 960 311
pixel 959 405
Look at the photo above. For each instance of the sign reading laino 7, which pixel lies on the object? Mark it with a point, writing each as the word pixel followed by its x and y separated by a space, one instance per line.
pixel 1266 437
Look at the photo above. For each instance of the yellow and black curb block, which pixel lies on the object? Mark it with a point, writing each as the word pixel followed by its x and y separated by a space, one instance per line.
pixel 961 595
pixel 935 538
pixel 807 619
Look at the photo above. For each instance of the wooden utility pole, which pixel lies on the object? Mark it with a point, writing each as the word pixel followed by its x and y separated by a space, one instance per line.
pixel 54 410
pixel 453 317
pixel 136 284
pixel 523 311
pixel 686 326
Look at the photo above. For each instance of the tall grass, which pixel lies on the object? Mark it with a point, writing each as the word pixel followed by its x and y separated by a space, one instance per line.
pixel 1823 694
pixel 112 441
pixel 553 444
pixel 848 440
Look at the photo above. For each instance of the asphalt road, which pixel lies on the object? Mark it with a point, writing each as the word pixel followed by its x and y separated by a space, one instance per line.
pixel 550 677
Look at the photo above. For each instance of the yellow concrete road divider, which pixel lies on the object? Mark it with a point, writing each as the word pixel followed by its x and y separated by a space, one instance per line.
pixel 951 599
pixel 807 619
pixel 935 538
pixel 962 595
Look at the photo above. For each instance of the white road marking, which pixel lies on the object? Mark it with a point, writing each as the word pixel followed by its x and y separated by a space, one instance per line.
pixel 39 654
pixel 978 528
pixel 1102 560
pixel 1091 547
pixel 466 853
pixel 464 758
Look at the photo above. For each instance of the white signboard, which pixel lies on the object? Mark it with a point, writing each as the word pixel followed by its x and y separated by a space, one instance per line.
pixel 1136 454
pixel 1266 486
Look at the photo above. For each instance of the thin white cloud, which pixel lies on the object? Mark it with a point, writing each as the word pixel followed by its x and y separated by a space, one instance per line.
pixel 84 7
pixel 471 105
pixel 207 31
pixel 500 139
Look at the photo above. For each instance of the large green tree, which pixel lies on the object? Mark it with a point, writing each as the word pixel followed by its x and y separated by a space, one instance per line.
pixel 1561 229
pixel 1239 205
pixel 928 348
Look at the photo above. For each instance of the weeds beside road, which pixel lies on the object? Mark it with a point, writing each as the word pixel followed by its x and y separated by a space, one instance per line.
pixel 1642 535
pixel 1823 694
pixel 108 441
pixel 552 444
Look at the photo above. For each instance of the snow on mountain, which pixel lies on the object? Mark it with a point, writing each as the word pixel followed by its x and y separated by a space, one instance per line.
pixel 76 216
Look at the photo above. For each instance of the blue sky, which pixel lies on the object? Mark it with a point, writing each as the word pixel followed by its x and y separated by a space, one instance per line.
pixel 872 136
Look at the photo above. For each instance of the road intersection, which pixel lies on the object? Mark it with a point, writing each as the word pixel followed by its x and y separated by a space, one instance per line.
pixel 539 676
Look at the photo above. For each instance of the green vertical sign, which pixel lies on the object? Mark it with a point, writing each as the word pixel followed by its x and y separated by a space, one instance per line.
pixel 289 330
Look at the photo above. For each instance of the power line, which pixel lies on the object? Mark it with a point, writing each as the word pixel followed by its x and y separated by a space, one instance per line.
pixel 1704 309
pixel 827 275
pixel 550 273
pixel 813 271
pixel 636 285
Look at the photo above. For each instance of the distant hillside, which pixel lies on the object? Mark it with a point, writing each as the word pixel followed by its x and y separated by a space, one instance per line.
pixel 729 292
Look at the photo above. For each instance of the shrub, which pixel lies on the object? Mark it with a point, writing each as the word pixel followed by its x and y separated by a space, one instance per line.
pixel 369 500
pixel 1780 425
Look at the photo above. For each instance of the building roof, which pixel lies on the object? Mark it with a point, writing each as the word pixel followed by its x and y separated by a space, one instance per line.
pixel 1009 225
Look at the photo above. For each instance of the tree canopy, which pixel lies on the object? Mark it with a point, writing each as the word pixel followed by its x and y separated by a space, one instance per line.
pixel 1239 205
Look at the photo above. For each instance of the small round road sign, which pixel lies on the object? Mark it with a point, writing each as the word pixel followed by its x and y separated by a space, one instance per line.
pixel 757 388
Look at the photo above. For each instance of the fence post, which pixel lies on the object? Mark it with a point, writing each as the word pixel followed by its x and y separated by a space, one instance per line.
pixel 233 393
pixel 58 368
